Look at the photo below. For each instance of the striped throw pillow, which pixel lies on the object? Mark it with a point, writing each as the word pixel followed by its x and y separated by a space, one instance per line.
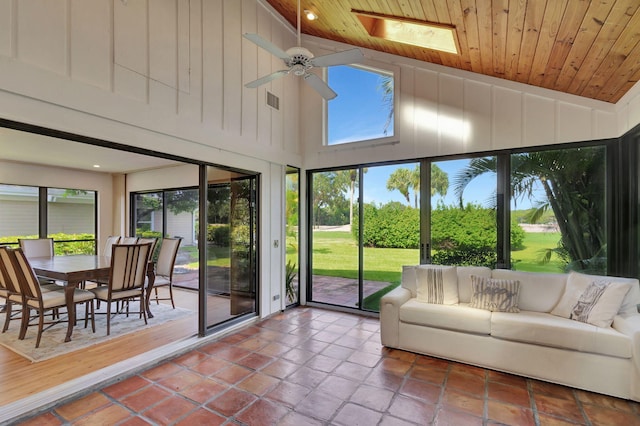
pixel 437 284
pixel 495 295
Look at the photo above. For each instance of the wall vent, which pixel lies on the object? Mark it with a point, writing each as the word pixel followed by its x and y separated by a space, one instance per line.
pixel 273 101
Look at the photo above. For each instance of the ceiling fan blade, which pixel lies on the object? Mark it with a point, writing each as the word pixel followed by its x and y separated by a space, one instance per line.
pixel 267 78
pixel 267 45
pixel 319 86
pixel 351 56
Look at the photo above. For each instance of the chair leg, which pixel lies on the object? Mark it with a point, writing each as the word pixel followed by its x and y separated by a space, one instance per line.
pixel 171 295
pixel 7 317
pixel 108 318
pixel 24 323
pixel 40 326
pixel 142 309
pixel 88 305
pixel 157 300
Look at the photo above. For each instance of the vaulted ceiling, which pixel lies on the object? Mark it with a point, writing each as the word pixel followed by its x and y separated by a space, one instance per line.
pixel 586 48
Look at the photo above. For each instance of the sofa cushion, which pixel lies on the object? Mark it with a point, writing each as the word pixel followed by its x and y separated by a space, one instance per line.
pixel 452 317
pixel 591 299
pixel 437 284
pixel 549 330
pixel 631 299
pixel 539 292
pixel 464 280
pixel 494 294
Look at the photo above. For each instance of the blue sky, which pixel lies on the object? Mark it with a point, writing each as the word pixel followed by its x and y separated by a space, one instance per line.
pixel 358 113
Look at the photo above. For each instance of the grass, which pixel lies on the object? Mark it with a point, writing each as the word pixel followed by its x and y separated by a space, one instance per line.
pixel 535 245
pixel 218 256
pixel 335 254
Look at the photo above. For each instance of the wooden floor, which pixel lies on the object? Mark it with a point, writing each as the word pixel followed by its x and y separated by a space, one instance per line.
pixel 21 378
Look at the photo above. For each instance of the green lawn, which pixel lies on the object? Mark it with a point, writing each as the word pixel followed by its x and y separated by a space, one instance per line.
pixel 535 244
pixel 218 256
pixel 335 254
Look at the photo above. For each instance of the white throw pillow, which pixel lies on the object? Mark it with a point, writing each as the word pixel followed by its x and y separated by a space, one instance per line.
pixel 437 284
pixel 591 299
pixel 494 294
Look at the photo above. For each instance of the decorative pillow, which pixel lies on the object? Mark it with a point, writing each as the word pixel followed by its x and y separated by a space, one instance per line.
pixel 437 284
pixel 591 299
pixel 494 294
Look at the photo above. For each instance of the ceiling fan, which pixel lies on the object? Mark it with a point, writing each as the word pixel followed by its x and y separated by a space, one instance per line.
pixel 300 60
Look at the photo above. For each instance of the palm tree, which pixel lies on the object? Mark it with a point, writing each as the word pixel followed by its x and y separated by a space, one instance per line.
pixel 573 181
pixel 386 86
pixel 405 180
pixel 402 180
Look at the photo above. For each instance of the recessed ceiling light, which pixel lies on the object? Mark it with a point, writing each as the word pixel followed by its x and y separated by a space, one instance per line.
pixel 311 16
pixel 409 31
pixel 97 166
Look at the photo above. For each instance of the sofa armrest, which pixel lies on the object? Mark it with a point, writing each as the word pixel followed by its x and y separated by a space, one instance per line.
pixel 390 315
pixel 627 324
pixel 630 325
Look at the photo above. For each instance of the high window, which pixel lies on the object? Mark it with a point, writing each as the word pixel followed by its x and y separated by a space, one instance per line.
pixel 364 108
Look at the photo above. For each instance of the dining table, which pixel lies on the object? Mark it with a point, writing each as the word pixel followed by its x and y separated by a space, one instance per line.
pixel 72 270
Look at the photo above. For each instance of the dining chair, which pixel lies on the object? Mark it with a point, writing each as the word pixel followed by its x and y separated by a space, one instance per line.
pixel 34 298
pixel 111 240
pixel 128 240
pixel 10 290
pixel 165 266
pixel 126 279
pixel 153 242
pixel 39 247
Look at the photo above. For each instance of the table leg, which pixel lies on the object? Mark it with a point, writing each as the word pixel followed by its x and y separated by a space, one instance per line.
pixel 151 276
pixel 69 290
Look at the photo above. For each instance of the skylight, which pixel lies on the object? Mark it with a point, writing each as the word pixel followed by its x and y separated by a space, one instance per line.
pixel 416 33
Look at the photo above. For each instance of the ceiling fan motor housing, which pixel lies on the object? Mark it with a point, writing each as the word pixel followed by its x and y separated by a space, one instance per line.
pixel 299 60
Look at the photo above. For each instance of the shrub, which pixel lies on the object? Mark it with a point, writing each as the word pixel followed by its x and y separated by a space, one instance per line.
pixel 391 225
pixel 218 234
pixel 464 236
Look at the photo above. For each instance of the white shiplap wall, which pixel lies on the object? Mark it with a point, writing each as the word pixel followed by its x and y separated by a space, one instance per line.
pixel 175 68
pixel 165 75
pixel 443 111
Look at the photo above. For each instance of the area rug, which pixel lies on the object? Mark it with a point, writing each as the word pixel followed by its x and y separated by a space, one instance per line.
pixel 52 343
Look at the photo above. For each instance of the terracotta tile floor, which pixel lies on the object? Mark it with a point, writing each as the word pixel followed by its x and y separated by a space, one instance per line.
pixel 310 366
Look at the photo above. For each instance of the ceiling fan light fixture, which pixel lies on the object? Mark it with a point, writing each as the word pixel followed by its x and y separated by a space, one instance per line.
pixel 408 31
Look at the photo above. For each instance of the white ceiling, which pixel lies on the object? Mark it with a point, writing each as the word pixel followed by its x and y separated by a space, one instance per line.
pixel 16 145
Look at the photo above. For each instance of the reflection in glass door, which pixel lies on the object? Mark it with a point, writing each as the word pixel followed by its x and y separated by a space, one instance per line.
pixel 292 271
pixel 231 270
pixel 243 249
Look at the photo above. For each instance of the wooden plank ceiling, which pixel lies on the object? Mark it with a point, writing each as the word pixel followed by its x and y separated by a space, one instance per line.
pixel 586 48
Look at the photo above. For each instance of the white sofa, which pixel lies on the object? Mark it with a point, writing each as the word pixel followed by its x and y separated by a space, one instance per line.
pixel 532 342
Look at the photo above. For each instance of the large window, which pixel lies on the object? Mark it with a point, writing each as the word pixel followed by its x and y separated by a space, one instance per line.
pixel 66 215
pixel 544 210
pixel 364 108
